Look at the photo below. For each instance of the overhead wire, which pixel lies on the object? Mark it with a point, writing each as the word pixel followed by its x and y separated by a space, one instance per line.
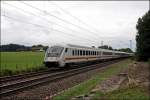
pixel 41 18
pixel 40 26
pixel 57 17
pixel 65 11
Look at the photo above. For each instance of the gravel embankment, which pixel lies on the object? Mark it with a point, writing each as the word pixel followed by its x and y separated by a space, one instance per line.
pixel 49 89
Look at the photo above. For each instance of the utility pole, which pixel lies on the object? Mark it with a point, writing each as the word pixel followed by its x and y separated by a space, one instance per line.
pixel 131 44
pixel 101 43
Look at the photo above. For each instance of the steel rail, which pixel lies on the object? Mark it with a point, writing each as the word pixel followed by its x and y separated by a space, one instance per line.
pixel 20 76
pixel 18 86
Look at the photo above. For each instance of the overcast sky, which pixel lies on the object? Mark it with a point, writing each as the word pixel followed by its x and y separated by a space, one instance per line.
pixel 84 23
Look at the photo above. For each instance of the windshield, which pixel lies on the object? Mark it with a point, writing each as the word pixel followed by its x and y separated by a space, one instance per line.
pixel 54 51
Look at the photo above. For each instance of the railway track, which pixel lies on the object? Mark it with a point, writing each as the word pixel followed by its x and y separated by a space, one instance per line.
pixel 11 85
pixel 27 75
pixel 21 76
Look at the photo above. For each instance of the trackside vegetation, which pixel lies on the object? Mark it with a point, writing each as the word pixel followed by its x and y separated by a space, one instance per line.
pixel 87 86
pixel 135 93
pixel 136 87
pixel 18 62
pixel 143 37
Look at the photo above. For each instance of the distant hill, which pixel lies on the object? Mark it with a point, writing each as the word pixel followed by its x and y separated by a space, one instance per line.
pixel 17 47
pixel 14 47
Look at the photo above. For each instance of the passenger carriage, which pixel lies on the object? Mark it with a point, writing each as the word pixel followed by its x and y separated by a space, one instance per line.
pixel 61 55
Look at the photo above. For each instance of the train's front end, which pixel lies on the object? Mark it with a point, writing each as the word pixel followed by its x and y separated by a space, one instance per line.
pixel 53 56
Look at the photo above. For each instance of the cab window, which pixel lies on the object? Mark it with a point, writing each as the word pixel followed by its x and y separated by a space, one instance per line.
pixel 66 49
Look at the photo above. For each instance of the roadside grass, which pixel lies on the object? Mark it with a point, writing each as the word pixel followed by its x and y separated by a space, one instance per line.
pixel 87 86
pixel 126 93
pixel 18 62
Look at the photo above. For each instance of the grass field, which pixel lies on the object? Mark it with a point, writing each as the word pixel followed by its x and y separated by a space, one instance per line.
pixel 12 62
pixel 87 86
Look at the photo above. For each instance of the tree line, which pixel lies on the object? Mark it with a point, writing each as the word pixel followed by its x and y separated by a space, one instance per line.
pixel 122 49
pixel 17 47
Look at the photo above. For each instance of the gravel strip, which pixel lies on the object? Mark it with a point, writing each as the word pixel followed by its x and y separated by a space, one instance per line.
pixel 49 89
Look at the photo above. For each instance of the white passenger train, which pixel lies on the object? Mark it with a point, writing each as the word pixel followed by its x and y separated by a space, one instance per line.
pixel 61 55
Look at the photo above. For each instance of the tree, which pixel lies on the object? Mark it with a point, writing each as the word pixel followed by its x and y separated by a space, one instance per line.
pixel 126 50
pixel 143 37
pixel 106 47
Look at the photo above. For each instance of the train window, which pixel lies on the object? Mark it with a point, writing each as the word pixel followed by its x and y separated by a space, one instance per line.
pixel 73 52
pixel 81 52
pixel 86 52
pixel 78 52
pixel 66 49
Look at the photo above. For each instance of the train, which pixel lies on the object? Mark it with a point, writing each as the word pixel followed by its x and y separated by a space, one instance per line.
pixel 62 55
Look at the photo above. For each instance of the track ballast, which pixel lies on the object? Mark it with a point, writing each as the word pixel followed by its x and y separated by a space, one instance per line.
pixel 19 83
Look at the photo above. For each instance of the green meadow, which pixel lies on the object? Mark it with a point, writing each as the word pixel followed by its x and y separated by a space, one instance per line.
pixel 18 62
